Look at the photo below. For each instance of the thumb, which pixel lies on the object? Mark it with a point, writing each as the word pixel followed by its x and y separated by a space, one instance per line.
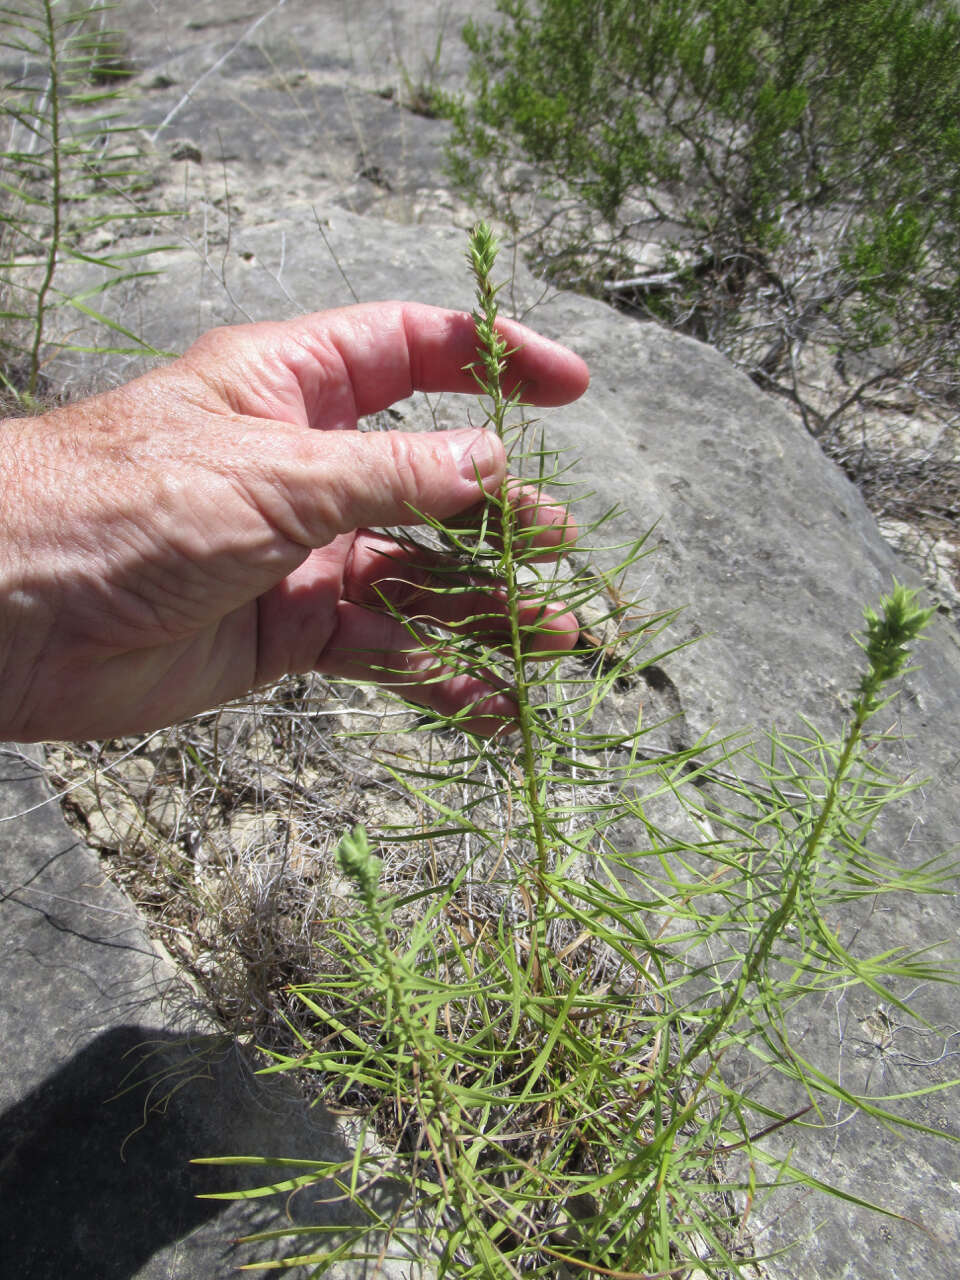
pixel 354 479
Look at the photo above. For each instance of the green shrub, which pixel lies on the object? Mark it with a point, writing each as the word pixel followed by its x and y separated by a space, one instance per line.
pixel 796 163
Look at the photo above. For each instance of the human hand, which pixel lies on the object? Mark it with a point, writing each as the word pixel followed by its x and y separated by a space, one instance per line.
pixel 203 530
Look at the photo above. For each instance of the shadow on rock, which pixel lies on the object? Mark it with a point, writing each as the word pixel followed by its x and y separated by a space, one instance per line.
pixel 95 1176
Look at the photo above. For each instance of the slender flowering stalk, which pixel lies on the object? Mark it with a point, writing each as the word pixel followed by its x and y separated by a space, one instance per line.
pixel 488 371
pixel 65 142
pixel 438 1101
pixel 888 635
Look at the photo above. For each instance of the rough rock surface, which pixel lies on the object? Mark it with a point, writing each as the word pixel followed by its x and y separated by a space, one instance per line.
pixel 107 1087
pixel 765 542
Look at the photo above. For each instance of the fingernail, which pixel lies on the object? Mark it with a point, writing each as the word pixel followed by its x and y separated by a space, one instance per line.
pixel 476 452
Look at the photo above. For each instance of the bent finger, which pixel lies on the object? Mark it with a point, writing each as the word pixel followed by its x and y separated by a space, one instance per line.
pixel 330 368
pixel 367 646
pixel 388 350
pixel 426 586
pixel 544 529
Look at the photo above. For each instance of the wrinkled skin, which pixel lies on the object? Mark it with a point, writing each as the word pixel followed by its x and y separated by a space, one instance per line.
pixel 205 529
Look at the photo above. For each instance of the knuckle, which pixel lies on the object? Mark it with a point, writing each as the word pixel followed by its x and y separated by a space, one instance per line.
pixel 409 466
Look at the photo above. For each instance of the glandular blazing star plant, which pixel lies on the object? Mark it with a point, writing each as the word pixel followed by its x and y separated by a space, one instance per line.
pixel 65 144
pixel 535 1026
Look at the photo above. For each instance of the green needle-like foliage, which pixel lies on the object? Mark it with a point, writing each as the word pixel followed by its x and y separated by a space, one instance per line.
pixel 776 177
pixel 70 178
pixel 542 1036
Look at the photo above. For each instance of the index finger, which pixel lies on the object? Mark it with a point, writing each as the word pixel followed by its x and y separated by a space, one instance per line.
pixel 388 350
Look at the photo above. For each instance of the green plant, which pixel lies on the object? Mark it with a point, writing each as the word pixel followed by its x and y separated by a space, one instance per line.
pixel 420 90
pixel 541 1031
pixel 776 178
pixel 69 179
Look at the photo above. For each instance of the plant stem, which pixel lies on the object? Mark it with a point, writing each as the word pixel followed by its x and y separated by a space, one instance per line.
pixel 53 250
pixel 488 371
pixel 888 635
pixel 437 1101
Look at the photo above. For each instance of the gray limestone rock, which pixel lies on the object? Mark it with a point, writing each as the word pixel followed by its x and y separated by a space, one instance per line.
pixel 109 1086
